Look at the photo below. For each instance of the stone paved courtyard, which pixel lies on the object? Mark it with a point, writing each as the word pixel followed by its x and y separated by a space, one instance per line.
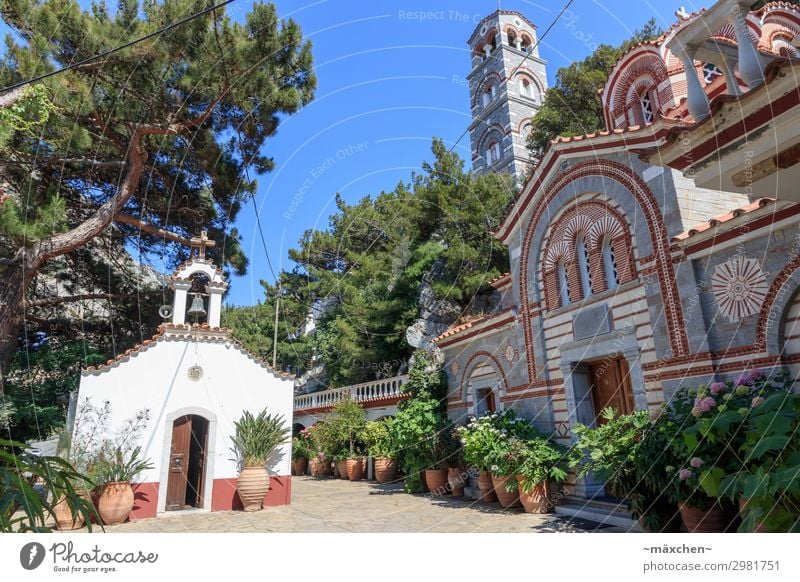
pixel 334 505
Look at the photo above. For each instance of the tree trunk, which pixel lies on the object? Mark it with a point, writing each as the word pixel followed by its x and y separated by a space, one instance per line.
pixel 19 273
pixel 14 282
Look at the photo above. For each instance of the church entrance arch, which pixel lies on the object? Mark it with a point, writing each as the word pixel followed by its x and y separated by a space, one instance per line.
pixel 188 461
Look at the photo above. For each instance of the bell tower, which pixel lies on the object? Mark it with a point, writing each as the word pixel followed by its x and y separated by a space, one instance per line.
pixel 199 278
pixel 506 87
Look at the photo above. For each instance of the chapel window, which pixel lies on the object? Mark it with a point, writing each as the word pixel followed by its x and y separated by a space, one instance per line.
pixel 583 266
pixel 609 264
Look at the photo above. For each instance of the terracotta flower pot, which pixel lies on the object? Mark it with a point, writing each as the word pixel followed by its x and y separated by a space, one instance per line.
pixel 504 496
pixel 252 486
pixel 486 487
pixel 116 502
pixel 63 514
pixel 436 479
pixel 714 519
pixel 318 467
pixel 299 466
pixel 355 469
pixel 456 479
pixel 385 469
pixel 341 469
pixel 537 500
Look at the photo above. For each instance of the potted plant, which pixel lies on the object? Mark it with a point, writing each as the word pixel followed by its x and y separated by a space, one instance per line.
pixel 115 471
pixel 610 452
pixel 444 447
pixel 762 434
pixel 457 474
pixel 413 433
pixel 378 439
pixel 302 450
pixel 256 439
pixel 486 448
pixel 340 433
pixel 539 462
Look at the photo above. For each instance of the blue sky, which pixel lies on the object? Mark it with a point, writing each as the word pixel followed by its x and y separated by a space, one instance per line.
pixel 387 82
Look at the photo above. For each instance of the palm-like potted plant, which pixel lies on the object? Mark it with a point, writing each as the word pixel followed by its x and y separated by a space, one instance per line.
pixel 457 474
pixel 257 437
pixel 115 471
pixel 377 437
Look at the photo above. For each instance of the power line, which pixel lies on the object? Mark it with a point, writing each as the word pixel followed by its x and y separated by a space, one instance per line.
pixel 117 49
pixel 527 55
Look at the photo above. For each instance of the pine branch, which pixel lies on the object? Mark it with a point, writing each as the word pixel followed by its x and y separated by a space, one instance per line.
pixel 74 298
pixel 151 229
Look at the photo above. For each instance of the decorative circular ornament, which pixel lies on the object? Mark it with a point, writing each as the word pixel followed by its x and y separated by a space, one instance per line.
pixel 511 353
pixel 483 30
pixel 454 367
pixel 194 373
pixel 739 287
pixel 517 22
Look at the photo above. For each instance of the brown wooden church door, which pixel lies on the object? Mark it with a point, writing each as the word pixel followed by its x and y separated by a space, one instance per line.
pixel 187 462
pixel 179 463
pixel 611 387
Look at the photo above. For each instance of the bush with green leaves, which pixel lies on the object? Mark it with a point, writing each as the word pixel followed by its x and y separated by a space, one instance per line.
pixel 303 446
pixel 340 431
pixel 486 439
pixel 31 485
pixel 537 460
pixel 612 453
pixel 258 436
pixel 414 432
pixel 377 437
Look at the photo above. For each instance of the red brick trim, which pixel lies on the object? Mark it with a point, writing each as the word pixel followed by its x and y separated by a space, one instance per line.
pixel 647 202
pixel 775 292
pixel 468 370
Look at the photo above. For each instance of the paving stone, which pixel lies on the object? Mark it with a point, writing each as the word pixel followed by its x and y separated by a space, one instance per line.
pixel 333 505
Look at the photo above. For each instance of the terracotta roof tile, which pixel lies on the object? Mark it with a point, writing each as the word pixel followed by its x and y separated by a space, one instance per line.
pixel 500 280
pixel 459 328
pixel 172 332
pixel 715 221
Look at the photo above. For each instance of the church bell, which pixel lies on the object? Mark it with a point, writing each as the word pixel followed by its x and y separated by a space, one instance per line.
pixel 197 310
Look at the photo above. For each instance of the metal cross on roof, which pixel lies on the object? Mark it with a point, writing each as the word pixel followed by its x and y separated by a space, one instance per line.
pixel 200 243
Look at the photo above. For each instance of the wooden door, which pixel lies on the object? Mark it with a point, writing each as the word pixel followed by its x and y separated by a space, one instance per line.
pixel 179 463
pixel 611 387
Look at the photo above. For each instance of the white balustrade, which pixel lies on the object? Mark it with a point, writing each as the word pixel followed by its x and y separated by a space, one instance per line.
pixel 363 393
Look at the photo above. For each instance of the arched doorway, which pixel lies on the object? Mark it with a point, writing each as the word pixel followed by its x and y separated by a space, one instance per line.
pixel 484 385
pixel 187 463
pixel 790 338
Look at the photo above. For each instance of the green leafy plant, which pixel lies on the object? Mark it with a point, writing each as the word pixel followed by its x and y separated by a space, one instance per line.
pixel 768 479
pixel 257 437
pixel 121 467
pixel 612 453
pixel 303 446
pixel 538 460
pixel 414 432
pixel 30 485
pixel 377 436
pixel 486 440
pixel 340 432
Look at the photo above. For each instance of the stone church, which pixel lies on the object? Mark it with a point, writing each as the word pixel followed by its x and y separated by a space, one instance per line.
pixel 640 260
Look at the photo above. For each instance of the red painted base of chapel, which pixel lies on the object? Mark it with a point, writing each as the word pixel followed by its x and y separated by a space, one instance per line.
pixel 223 496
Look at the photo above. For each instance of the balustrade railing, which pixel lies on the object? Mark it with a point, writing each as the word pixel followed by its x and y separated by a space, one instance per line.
pixel 363 393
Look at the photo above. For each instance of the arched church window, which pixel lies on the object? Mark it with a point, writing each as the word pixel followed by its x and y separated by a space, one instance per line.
pixel 583 265
pixel 512 38
pixel 647 108
pixel 525 88
pixel 710 72
pixel 563 283
pixel 609 264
